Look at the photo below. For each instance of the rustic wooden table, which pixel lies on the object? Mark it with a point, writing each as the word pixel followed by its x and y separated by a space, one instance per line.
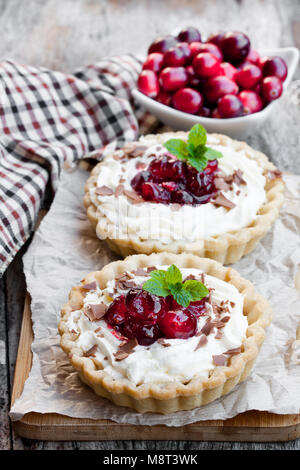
pixel 65 34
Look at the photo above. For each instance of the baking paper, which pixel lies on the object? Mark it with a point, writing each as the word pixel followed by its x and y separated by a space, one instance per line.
pixel 65 249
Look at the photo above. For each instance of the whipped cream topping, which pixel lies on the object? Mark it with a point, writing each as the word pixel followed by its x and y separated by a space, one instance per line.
pixel 181 360
pixel 155 221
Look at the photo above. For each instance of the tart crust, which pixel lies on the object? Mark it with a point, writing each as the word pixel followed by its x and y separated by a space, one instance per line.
pixel 175 396
pixel 226 248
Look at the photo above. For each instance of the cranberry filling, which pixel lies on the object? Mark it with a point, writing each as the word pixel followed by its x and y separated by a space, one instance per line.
pixel 147 317
pixel 168 180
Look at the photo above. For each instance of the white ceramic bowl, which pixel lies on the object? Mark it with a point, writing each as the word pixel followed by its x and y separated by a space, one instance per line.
pixel 234 127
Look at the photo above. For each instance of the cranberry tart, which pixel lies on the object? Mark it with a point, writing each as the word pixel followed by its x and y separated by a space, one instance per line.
pixel 163 332
pixel 180 192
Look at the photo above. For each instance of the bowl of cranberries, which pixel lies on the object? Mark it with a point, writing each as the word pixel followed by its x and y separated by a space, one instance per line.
pixel 221 82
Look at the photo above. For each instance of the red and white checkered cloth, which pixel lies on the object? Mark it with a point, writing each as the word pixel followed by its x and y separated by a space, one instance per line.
pixel 49 119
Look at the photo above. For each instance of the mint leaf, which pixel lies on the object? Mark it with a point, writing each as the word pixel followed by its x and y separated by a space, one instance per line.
pixel 181 296
pixel 197 136
pixel 156 287
pixel 173 275
pixel 212 154
pixel 158 274
pixel 196 289
pixel 198 163
pixel 177 147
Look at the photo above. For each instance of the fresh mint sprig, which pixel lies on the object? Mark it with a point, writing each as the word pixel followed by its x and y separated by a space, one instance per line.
pixel 194 151
pixel 169 282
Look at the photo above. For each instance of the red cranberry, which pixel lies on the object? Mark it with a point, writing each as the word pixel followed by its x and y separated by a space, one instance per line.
pixel 139 179
pixel 271 88
pixel 253 57
pixel 180 324
pixel 192 79
pixel 261 61
pixel 189 34
pixel 201 184
pixel 230 106
pixel 249 76
pixel 206 65
pixel 252 102
pixel 215 114
pixel 198 308
pixel 187 100
pixel 185 48
pixel 242 65
pixel 216 38
pixel 164 98
pixel 275 66
pixel 162 44
pixel 167 169
pixel 182 197
pixel 153 62
pixel 216 87
pixel 211 167
pixel 172 78
pixel 145 333
pixel 195 48
pixel 208 47
pixel 148 83
pixel 142 305
pixel 235 47
pixel 229 70
pixel 155 192
pixel 174 57
pixel 117 311
pixel 170 186
pixel 204 111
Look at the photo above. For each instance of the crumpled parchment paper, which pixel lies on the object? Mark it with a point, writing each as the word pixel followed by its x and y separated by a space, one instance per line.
pixel 65 248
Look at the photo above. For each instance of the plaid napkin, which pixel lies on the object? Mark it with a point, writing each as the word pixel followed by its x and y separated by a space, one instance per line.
pixel 50 120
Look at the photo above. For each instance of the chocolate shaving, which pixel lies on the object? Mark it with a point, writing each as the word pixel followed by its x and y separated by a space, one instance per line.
pixel 119 190
pixel 208 327
pixel 163 343
pixel 202 342
pixel 120 355
pixel 273 174
pixel 90 286
pixel 133 196
pixel 140 272
pixel 92 351
pixel 190 277
pixel 233 351
pixel 125 349
pixel 221 184
pixel 225 319
pixel 138 151
pixel 98 310
pixel 104 191
pixel 151 268
pixel 219 360
pixel 238 177
pixel 126 284
pixel 221 200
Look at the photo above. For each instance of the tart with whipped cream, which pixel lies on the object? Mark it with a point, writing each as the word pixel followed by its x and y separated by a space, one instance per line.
pixel 163 332
pixel 203 194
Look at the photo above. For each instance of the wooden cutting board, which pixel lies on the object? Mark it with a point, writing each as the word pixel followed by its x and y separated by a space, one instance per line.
pixel 250 426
